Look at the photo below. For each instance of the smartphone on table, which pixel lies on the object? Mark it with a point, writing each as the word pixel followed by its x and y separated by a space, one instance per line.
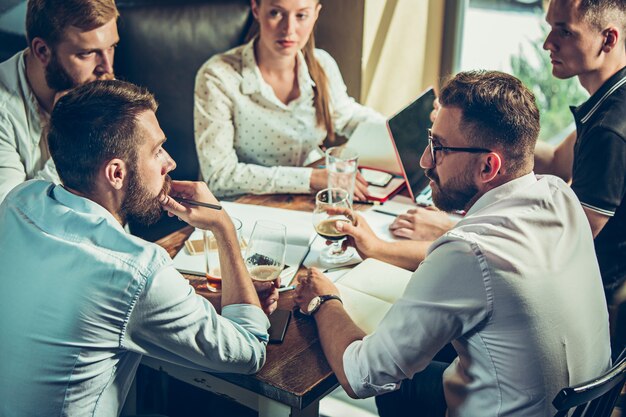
pixel 279 320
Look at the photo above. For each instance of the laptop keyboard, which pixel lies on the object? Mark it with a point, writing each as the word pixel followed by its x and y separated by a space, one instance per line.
pixel 425 197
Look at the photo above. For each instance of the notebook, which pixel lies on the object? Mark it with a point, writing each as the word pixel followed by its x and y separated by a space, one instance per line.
pixel 369 290
pixel 396 147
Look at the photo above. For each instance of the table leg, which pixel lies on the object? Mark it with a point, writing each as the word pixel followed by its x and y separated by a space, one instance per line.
pixel 271 408
pixel 265 406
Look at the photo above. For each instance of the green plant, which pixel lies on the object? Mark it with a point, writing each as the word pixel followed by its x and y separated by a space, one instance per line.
pixel 554 96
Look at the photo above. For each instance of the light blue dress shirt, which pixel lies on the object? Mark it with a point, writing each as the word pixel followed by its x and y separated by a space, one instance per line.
pixel 81 301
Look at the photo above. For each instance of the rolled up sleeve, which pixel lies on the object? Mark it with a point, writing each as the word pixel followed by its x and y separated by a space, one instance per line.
pixel 171 322
pixel 446 297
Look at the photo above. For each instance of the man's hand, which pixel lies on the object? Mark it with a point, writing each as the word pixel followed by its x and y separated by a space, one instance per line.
pixel 268 294
pixel 200 217
pixel 312 284
pixel 360 234
pixel 421 224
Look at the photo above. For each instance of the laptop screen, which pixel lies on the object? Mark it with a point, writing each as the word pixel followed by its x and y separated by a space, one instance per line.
pixel 408 129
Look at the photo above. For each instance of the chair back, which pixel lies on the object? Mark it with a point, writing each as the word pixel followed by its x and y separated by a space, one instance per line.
pixel 162 45
pixel 595 398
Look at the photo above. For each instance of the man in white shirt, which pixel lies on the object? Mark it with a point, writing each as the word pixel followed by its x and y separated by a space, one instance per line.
pixel 587 41
pixel 81 300
pixel 70 43
pixel 514 286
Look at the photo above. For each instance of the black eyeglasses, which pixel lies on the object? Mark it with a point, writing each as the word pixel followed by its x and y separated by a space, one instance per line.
pixel 434 149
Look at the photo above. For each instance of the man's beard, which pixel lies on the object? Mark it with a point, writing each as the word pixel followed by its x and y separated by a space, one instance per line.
pixel 139 204
pixel 58 79
pixel 458 193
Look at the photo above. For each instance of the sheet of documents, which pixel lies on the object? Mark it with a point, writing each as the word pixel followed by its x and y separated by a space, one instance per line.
pixel 369 290
pixel 300 233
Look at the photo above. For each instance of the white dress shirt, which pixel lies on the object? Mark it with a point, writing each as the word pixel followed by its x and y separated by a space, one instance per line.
pixel 248 141
pixel 81 301
pixel 23 155
pixel 516 287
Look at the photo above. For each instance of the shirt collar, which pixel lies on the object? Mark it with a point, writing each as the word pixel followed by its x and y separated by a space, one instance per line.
pixel 28 92
pixel 502 192
pixel 252 79
pixel 584 112
pixel 83 205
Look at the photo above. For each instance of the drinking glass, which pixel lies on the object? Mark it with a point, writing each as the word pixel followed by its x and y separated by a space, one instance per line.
pixel 211 255
pixel 342 164
pixel 324 223
pixel 265 253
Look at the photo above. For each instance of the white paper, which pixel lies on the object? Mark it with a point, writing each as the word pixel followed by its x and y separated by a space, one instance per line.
pixel 300 232
pixel 369 290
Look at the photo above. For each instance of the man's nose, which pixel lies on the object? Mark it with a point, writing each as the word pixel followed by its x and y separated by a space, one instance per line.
pixel 169 163
pixel 105 66
pixel 548 44
pixel 426 161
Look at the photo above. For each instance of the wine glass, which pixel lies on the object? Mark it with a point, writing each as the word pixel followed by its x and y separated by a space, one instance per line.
pixel 324 223
pixel 265 253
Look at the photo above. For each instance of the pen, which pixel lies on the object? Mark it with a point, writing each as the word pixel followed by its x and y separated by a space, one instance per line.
pixel 289 288
pixel 197 203
pixel 388 213
pixel 371 203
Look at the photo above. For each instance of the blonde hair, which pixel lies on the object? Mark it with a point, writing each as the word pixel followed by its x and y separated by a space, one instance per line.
pixel 321 99
pixel 48 19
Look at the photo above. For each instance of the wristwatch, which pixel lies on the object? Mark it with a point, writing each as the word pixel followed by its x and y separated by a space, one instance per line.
pixel 316 302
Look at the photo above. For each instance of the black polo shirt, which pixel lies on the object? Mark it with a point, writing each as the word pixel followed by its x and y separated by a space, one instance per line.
pixel 599 171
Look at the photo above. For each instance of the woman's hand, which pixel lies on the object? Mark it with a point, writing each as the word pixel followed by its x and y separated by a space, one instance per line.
pixel 319 181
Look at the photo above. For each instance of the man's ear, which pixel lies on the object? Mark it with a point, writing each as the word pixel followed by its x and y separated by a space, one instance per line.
pixel 611 38
pixel 41 50
pixel 115 173
pixel 490 167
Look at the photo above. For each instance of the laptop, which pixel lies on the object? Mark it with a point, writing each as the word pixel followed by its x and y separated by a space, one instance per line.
pixel 393 149
pixel 409 133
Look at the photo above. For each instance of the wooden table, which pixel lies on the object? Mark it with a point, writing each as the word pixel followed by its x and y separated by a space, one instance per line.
pixel 296 374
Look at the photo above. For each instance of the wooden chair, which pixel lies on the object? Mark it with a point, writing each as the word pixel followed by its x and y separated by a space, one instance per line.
pixel 595 398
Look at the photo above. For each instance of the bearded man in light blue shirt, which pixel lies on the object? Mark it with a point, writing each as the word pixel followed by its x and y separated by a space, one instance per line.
pixel 80 299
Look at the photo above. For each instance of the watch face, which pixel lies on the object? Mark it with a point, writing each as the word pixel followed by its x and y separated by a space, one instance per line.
pixel 313 305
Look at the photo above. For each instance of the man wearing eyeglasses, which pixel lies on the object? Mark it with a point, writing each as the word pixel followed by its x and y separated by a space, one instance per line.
pixel 514 286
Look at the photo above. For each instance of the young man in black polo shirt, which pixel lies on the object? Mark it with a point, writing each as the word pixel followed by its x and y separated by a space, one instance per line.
pixel 587 40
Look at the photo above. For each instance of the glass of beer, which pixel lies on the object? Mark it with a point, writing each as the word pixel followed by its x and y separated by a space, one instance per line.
pixel 332 205
pixel 211 255
pixel 265 253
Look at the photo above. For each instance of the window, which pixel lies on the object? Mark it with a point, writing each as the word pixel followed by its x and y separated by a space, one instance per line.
pixel 508 35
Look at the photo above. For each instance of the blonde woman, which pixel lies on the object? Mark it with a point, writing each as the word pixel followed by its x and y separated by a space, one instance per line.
pixel 263 107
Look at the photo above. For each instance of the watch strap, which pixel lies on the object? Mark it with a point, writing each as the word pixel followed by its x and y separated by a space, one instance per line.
pixel 324 298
